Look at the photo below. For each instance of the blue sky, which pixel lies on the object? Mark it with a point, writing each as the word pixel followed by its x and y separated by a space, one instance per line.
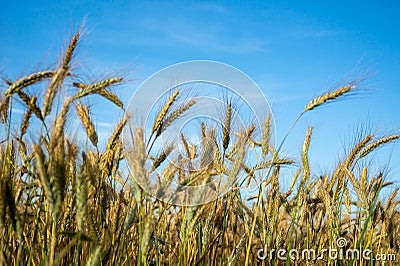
pixel 294 51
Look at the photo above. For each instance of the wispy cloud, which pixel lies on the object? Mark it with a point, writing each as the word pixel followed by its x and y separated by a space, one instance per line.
pixel 315 33
pixel 212 7
pixel 287 99
pixel 204 36
pixel 203 27
pixel 212 40
pixel 18 111
pixel 105 124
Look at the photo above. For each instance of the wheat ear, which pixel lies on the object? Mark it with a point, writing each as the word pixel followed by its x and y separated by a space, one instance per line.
pixel 54 85
pixel 330 96
pixel 369 148
pixel 28 80
pixel 117 133
pixel 59 76
pixel 94 88
pixel 4 106
pixel 161 115
pixel 203 131
pixel 161 158
pixel 266 136
pixel 71 49
pixel 304 156
pixel 27 116
pixel 227 126
pixel 185 145
pixel 83 113
pixel 60 123
pixel 27 100
pixel 176 114
pixel 353 154
pixel 111 97
pixel 102 92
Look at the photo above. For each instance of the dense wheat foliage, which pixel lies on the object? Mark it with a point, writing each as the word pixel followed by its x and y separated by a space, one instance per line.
pixel 62 203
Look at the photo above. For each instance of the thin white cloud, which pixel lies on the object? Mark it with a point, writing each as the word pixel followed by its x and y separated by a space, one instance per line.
pixel 286 99
pixel 208 32
pixel 205 39
pixel 212 7
pixel 315 33
pixel 105 124
pixel 18 111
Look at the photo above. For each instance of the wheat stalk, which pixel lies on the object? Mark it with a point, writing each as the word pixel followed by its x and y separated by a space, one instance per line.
pixel 90 209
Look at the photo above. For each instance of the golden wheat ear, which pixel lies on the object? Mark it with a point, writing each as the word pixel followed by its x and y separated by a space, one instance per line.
pixel 27 116
pixel 86 90
pixel 330 96
pixel 59 76
pixel 117 133
pixel 161 115
pixel 376 144
pixel 266 135
pixel 83 113
pixel 59 124
pixel 27 100
pixel 4 106
pixel 304 155
pixel 161 157
pixel 227 126
pixel 28 80
pixel 104 93
pixel 175 115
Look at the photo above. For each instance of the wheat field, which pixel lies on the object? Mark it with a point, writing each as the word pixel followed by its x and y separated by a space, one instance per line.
pixel 62 203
